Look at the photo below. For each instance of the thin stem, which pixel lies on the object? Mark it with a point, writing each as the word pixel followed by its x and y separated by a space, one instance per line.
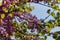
pixel 47 17
pixel 43 4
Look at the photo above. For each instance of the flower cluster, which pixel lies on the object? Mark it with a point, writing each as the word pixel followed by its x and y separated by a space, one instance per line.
pixel 8 10
pixel 20 9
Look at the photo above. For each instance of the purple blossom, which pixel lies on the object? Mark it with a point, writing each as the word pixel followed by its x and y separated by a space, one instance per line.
pixel 7 38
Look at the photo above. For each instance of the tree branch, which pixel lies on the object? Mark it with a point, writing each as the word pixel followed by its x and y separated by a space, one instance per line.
pixel 43 4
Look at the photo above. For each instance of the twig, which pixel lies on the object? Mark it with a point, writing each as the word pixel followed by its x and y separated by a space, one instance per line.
pixel 43 4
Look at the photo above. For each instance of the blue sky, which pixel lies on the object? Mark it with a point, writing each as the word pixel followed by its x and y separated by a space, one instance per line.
pixel 41 12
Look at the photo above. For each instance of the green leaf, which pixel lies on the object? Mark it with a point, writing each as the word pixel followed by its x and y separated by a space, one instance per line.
pixel 53 14
pixel 58 1
pixel 55 7
pixel 55 35
pixel 58 14
pixel 58 38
